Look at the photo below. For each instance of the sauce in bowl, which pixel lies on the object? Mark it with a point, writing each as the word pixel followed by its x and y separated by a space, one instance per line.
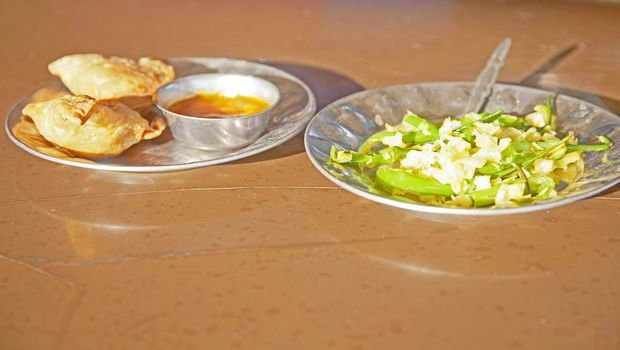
pixel 218 105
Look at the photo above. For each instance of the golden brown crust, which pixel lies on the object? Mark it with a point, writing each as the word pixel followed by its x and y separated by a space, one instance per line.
pixel 112 78
pixel 139 104
pixel 156 126
pixel 27 132
pixel 90 128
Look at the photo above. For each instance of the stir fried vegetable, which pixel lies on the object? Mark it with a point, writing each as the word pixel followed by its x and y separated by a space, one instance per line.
pixel 479 160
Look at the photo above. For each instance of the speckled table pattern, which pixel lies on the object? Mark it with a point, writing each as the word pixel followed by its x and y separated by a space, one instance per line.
pixel 265 253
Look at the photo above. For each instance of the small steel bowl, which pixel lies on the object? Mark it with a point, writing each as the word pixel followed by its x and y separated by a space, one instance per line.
pixel 217 133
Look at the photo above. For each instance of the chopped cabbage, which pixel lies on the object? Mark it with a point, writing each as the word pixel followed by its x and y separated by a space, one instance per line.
pixel 483 159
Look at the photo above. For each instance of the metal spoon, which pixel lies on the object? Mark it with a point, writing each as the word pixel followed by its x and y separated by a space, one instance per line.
pixel 487 77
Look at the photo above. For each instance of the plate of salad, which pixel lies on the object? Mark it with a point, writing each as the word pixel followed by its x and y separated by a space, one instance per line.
pixel 411 146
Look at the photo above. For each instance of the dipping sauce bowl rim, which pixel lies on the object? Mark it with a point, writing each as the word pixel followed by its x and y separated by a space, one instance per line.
pixel 223 118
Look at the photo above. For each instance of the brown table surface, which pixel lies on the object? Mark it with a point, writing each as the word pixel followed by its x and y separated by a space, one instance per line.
pixel 265 253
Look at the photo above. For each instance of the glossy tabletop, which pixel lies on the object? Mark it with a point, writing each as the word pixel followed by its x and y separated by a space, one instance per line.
pixel 265 253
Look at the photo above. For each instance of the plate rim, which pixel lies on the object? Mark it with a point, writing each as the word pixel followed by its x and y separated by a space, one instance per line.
pixel 447 210
pixel 312 105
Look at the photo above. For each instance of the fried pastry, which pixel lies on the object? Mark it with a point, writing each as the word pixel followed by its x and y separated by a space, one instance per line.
pixel 121 79
pixel 27 132
pixel 91 128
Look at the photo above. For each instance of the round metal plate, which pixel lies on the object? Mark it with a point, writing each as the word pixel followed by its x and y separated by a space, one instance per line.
pixel 347 122
pixel 289 117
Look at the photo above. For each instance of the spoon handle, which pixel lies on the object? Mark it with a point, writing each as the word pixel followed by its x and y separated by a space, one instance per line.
pixel 487 77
